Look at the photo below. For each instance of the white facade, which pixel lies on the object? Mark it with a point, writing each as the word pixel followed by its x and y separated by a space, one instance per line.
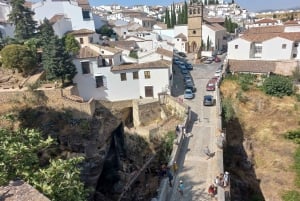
pixel 276 48
pixel 49 8
pixel 62 26
pixel 115 89
pixel 216 37
pixel 239 49
pixel 6 28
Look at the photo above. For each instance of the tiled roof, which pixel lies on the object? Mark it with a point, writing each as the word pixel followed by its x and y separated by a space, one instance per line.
pixel 255 66
pixel 215 27
pixel 267 29
pixel 20 190
pixel 214 19
pixel 86 52
pixel 124 44
pixel 109 49
pixel 56 18
pixel 291 22
pixel 164 52
pixel 84 4
pixel 293 36
pixel 149 65
pixel 266 20
pixel 82 32
pixel 182 36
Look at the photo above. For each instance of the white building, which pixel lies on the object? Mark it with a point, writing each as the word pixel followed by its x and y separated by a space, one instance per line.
pixel 269 47
pixel 6 28
pixel 77 11
pixel 102 75
pixel 216 34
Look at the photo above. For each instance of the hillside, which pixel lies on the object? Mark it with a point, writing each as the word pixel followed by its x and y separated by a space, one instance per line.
pixel 257 155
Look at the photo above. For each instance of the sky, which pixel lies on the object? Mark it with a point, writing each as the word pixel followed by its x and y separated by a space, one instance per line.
pixel 251 5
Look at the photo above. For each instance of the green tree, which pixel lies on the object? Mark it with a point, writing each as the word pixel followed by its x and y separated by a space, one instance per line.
pixel 61 180
pixel 208 43
pixel 18 154
pixel 18 57
pixel 185 13
pixel 45 32
pixel 278 85
pixel 105 30
pixel 71 44
pixel 167 18
pixel 57 62
pixel 173 16
pixel 21 17
pixel 133 54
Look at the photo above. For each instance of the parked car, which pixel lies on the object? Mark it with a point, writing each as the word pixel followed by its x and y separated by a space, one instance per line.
pixel 187 77
pixel 218 73
pixel 184 71
pixel 189 66
pixel 220 52
pixel 216 79
pixel 208 100
pixel 188 94
pixel 181 66
pixel 211 85
pixel 217 59
pixel 182 54
pixel 191 86
pixel 209 60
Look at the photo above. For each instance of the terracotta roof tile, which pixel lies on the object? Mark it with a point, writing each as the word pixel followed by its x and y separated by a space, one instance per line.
pixel 149 65
pixel 216 27
pixel 266 20
pixel 291 22
pixel 255 66
pixel 124 44
pixel 293 36
pixel 164 52
pixel 56 18
pixel 109 49
pixel 267 29
pixel 82 32
pixel 86 52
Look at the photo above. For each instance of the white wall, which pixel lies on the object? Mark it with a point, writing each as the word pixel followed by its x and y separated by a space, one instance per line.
pixel 61 27
pixel 272 49
pixel 48 8
pixel 179 44
pixel 117 89
pixel 242 52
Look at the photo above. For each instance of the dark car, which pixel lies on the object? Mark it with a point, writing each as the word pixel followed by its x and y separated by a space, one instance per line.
pixel 190 85
pixel 208 100
pixel 182 54
pixel 184 71
pixel 189 66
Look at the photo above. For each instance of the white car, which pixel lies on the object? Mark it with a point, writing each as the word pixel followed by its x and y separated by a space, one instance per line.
pixel 218 72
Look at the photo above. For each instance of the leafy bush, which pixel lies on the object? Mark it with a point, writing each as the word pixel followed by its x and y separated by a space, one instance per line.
pixel 246 80
pixel 277 85
pixel 227 110
pixel 293 135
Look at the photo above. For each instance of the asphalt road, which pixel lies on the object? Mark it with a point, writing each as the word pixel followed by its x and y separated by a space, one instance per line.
pixel 195 170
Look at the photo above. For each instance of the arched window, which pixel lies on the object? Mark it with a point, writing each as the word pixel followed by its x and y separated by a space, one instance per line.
pixel 194 11
pixel 191 12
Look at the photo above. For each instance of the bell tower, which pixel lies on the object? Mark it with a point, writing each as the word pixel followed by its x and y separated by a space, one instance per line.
pixel 195 19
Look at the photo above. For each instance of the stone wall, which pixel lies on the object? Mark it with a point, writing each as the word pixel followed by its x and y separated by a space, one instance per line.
pixel 52 97
pixel 146 112
pixel 176 106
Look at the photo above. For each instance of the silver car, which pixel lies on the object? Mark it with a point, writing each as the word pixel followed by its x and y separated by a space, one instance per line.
pixel 188 94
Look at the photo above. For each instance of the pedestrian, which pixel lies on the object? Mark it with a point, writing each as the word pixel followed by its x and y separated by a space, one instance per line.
pixel 226 179
pixel 175 167
pixel 217 181
pixel 170 176
pixel 207 152
pixel 212 190
pixel 180 187
pixel 221 179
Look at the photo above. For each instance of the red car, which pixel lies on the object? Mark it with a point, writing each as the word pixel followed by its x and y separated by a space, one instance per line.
pixel 217 59
pixel 211 85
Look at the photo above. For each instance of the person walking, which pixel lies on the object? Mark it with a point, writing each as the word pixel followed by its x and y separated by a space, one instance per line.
pixel 207 152
pixel 175 167
pixel 170 176
pixel 226 179
pixel 181 187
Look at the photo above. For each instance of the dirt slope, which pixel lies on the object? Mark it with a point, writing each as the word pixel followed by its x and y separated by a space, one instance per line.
pixel 262 121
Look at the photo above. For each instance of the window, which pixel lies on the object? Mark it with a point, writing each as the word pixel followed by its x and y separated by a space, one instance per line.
pixel 110 62
pixel 135 75
pixel 194 32
pixel 258 49
pixel 120 58
pixel 283 46
pixel 81 40
pixel 123 76
pixel 236 47
pixel 86 14
pixel 99 81
pixel 294 55
pixel 296 45
pixel 191 12
pixel 147 74
pixel 85 67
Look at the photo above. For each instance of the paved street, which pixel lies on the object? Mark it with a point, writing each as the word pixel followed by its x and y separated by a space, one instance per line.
pixel 195 170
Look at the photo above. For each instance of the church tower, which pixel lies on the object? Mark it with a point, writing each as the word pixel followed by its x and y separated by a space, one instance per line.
pixel 195 19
